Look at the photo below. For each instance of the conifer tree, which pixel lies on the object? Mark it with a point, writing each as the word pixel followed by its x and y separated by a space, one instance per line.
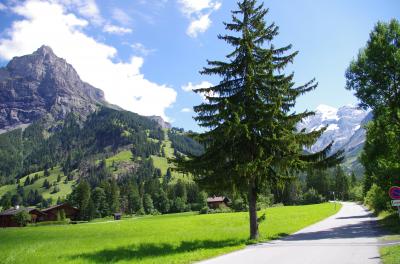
pixel 251 138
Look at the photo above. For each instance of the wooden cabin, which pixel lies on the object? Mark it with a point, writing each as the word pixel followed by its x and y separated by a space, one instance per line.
pixel 70 212
pixel 7 218
pixel 217 202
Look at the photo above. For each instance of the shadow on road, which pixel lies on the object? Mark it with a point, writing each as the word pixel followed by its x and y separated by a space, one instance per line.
pixel 366 229
pixel 137 252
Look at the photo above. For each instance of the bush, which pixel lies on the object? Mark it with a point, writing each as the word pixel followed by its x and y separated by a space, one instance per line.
pixel 356 193
pixel 376 199
pixel 22 218
pixel 49 223
pixel 222 209
pixel 312 197
pixel 204 210
pixel 239 205
pixel 265 201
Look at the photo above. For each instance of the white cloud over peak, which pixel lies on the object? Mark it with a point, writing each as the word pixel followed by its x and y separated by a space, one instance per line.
pixel 198 12
pixel 48 23
pixel 112 29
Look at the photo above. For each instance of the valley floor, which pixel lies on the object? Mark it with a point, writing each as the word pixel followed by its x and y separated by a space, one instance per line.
pixel 179 238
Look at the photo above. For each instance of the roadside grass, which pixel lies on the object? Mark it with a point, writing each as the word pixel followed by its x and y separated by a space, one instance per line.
pixel 390 255
pixel 390 221
pixel 176 238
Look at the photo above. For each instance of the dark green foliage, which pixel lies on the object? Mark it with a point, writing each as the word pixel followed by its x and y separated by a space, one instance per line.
pixel 99 199
pixel 148 204
pixel 22 218
pixel 376 198
pixel 24 152
pixel 381 153
pixel 374 76
pixel 80 197
pixel 341 186
pixel 56 189
pixel 27 181
pixel 46 184
pixel 5 201
pixel 251 139
pixel 33 198
pixel 312 197
pixel 184 144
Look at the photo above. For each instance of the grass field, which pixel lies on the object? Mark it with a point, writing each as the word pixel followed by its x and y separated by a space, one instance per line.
pixel 179 238
pixel 390 221
pixel 65 188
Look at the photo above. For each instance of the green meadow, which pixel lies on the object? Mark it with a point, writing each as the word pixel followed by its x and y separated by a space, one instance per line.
pixel 177 238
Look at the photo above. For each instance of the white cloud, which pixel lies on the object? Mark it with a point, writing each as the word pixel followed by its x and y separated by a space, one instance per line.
pixel 191 87
pixel 2 7
pixel 140 48
pixel 198 12
pixel 112 29
pixel 86 8
pixel 121 16
pixel 48 23
pixel 186 110
pixel 189 7
pixel 199 26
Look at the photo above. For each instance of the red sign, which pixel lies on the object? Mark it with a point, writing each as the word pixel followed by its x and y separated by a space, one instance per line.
pixel 394 193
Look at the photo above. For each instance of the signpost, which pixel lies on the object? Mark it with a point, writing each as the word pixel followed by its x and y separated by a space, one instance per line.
pixel 394 193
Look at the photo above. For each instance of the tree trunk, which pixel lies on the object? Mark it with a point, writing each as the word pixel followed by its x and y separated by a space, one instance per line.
pixel 253 211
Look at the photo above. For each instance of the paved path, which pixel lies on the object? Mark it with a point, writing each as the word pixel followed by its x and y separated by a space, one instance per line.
pixel 349 237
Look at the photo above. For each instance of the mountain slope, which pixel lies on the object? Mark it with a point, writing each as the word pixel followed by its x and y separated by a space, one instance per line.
pixel 42 85
pixel 345 126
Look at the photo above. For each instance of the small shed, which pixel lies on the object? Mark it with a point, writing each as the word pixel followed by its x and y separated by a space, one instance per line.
pixel 217 201
pixel 7 218
pixel 117 216
pixel 70 212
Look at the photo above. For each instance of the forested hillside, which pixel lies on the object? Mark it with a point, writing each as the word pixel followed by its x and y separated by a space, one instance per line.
pixel 111 154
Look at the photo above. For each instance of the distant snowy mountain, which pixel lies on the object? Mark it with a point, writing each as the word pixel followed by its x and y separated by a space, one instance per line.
pixel 345 126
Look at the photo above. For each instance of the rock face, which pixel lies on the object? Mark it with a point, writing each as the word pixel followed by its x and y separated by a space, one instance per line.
pixel 160 121
pixel 42 84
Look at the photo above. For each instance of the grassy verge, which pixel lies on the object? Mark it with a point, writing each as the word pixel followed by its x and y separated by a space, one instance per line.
pixel 178 238
pixel 390 221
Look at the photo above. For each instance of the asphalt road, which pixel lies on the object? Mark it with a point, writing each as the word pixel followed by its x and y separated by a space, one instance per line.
pixel 349 237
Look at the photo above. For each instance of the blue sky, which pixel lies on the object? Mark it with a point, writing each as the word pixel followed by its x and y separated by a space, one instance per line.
pixel 142 52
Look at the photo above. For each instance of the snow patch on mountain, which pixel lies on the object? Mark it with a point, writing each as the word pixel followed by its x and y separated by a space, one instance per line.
pixel 344 126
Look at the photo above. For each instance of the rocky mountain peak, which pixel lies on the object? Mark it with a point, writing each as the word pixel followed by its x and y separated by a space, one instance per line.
pixel 42 84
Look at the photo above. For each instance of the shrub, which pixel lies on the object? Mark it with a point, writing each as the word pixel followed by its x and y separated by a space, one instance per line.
pixel 312 197
pixel 376 199
pixel 239 205
pixel 356 193
pixel 204 210
pixel 22 218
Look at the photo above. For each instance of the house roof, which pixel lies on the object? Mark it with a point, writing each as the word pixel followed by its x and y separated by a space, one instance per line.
pixel 215 199
pixel 14 211
pixel 59 206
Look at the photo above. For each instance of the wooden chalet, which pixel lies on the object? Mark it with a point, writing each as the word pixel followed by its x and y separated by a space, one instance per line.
pixel 70 212
pixel 7 217
pixel 217 201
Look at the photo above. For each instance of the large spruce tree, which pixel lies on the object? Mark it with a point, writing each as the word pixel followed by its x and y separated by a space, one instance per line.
pixel 251 138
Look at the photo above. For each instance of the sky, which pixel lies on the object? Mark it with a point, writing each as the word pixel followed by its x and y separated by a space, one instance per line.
pixel 146 54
